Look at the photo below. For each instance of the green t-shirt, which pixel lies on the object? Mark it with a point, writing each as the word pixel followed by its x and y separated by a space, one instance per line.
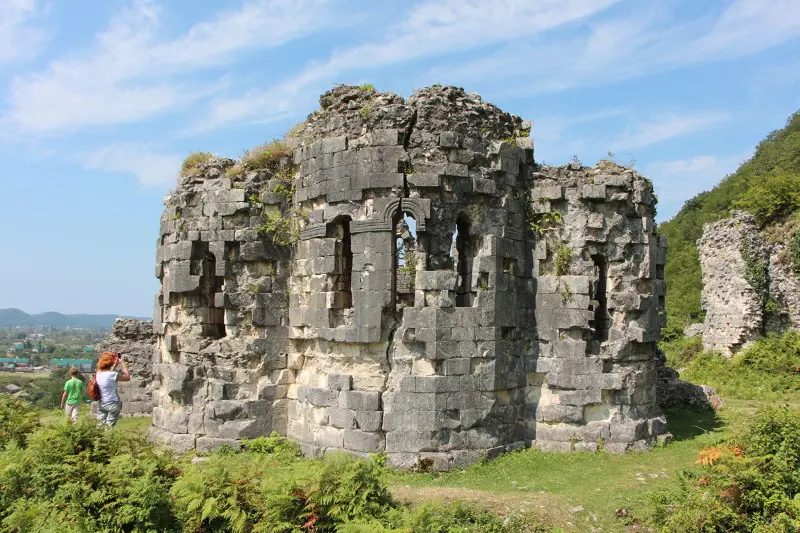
pixel 74 388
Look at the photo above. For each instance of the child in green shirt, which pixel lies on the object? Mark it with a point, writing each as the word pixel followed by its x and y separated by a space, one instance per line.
pixel 74 391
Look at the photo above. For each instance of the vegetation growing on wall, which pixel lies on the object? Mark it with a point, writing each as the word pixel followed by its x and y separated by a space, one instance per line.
pixel 265 157
pixel 191 165
pixel 767 185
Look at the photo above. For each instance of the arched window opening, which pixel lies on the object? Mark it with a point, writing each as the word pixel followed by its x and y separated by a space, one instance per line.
pixel 602 320
pixel 463 258
pixel 405 260
pixel 212 318
pixel 341 279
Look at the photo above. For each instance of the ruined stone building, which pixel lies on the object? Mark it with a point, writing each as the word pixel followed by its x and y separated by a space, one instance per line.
pixel 401 276
pixel 749 287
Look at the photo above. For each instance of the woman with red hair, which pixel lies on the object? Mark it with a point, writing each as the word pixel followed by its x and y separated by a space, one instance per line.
pixel 107 377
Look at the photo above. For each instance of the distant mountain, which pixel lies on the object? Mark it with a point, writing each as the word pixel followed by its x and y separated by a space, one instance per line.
pixel 16 317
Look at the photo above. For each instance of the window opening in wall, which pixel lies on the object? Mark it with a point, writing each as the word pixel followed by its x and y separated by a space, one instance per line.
pixel 341 279
pixel 464 257
pixel 405 261
pixel 212 318
pixel 602 320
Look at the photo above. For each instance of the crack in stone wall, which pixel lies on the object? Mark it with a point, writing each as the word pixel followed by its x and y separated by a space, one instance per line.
pixel 434 375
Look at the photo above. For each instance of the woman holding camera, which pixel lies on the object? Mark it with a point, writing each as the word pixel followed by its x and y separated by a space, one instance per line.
pixel 108 374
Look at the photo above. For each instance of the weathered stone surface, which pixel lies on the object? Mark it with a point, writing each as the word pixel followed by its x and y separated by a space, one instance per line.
pixel 737 312
pixel 485 337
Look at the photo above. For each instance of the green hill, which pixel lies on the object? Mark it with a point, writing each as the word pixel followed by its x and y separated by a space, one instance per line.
pixel 15 317
pixel 767 185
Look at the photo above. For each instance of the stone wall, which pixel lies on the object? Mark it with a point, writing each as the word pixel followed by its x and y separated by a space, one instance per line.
pixel 491 336
pixel 737 312
pixel 136 341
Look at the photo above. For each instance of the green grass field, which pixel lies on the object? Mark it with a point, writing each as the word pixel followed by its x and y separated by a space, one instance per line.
pixel 577 492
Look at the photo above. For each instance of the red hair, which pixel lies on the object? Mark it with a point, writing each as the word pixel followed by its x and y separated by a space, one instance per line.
pixel 107 361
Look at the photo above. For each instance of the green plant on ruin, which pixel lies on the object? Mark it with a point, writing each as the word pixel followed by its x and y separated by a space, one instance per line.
pixel 281 229
pixel 565 291
pixel 266 156
pixel 410 261
pixel 756 271
pixel 511 141
pixel 562 260
pixel 234 172
pixel 794 252
pixel 366 112
pixel 367 88
pixel 191 164
pixel 286 193
pixel 537 222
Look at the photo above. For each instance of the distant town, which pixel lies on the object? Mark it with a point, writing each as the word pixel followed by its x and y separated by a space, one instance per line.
pixel 29 349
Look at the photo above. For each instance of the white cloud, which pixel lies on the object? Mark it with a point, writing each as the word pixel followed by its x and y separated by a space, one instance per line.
pixel 667 127
pixel 130 75
pixel 676 181
pixel 432 28
pixel 151 168
pixel 18 39
pixel 643 41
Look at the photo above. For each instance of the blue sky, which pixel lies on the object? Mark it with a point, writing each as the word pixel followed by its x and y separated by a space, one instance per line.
pixel 101 100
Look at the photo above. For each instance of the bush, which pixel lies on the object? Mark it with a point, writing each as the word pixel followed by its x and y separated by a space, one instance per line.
pixel 348 490
pixel 17 420
pixel 274 444
pixel 81 478
pixel 46 392
pixel 772 198
pixel 682 351
pixel 770 367
pixel 749 486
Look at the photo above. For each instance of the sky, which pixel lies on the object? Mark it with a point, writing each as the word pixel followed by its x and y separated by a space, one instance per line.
pixel 101 100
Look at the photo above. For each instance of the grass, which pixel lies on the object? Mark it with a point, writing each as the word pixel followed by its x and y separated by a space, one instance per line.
pixel 573 492
pixel 576 492
pixel 193 161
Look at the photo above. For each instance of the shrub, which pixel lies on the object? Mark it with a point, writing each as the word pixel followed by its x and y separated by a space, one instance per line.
pixel 794 250
pixel 772 198
pixel 682 351
pixel 748 487
pixel 279 446
pixel 767 369
pixel 348 490
pixel 81 478
pixel 17 420
pixel 191 164
pixel 563 260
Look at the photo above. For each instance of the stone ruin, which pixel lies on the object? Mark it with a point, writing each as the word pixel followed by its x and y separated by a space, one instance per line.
pixel 136 341
pixel 401 276
pixel 749 287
